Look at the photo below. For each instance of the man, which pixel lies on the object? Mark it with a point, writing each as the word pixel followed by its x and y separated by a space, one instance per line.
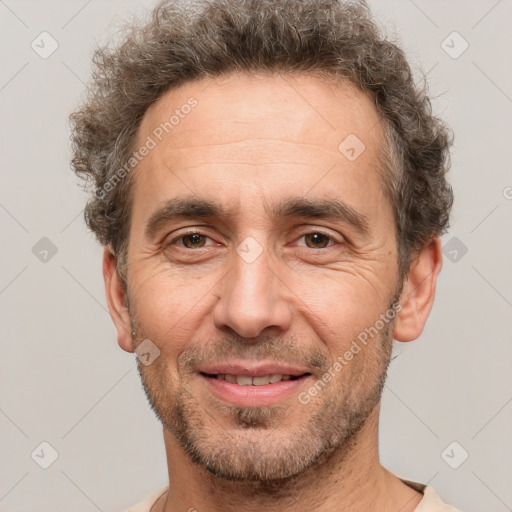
pixel 269 185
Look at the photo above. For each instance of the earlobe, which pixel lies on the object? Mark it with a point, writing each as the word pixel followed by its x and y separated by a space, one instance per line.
pixel 418 292
pixel 116 300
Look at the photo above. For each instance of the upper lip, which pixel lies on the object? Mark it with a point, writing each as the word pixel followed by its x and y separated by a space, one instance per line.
pixel 251 369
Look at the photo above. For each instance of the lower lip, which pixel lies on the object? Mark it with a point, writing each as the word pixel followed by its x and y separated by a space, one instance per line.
pixel 254 396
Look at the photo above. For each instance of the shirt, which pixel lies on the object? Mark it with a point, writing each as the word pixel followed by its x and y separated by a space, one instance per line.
pixel 431 502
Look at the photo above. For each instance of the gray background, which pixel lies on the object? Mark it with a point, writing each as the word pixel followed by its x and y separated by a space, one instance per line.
pixel 65 381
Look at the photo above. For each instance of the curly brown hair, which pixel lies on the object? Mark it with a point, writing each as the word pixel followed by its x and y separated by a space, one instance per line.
pixel 188 40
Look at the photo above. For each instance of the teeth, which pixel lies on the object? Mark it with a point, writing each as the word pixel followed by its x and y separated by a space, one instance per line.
pixel 244 380
pixel 259 381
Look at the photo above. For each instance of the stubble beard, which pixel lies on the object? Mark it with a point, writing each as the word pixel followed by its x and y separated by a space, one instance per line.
pixel 242 444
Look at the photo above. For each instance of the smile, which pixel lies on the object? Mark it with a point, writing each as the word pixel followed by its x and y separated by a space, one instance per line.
pixel 254 391
pixel 246 380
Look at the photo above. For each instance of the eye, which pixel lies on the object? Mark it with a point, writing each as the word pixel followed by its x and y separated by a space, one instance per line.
pixel 192 240
pixel 196 240
pixel 317 240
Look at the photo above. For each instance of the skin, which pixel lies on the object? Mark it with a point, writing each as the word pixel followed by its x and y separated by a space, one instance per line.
pixel 251 142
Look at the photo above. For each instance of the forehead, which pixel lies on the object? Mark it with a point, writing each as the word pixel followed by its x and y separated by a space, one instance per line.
pixel 294 107
pixel 245 136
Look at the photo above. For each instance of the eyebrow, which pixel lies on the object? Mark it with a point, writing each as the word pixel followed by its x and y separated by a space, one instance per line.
pixel 300 207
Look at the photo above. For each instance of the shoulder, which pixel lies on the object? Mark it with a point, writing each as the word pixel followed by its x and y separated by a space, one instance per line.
pixel 146 504
pixel 431 502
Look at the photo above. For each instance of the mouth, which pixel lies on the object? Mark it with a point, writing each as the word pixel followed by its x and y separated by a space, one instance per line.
pixel 256 389
pixel 247 380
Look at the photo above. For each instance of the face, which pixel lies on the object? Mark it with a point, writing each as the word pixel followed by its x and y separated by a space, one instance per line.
pixel 260 250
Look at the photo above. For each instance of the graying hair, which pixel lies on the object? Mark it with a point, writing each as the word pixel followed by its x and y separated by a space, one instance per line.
pixel 187 40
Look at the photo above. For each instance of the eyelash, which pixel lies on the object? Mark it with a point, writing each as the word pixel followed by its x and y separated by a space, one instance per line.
pixel 193 232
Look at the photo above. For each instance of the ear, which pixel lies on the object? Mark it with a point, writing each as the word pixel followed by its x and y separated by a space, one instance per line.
pixel 116 300
pixel 419 291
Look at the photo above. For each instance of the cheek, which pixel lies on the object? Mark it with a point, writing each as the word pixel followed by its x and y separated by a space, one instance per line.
pixel 341 307
pixel 167 308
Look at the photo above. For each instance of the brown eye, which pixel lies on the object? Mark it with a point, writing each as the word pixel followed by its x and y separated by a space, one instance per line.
pixel 318 240
pixel 193 241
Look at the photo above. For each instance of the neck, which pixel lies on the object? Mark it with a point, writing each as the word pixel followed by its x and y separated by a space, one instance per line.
pixel 352 479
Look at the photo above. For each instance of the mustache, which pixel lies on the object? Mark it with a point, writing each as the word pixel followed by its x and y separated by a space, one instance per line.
pixel 269 349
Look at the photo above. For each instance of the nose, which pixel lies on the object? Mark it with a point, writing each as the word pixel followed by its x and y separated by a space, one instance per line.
pixel 252 298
